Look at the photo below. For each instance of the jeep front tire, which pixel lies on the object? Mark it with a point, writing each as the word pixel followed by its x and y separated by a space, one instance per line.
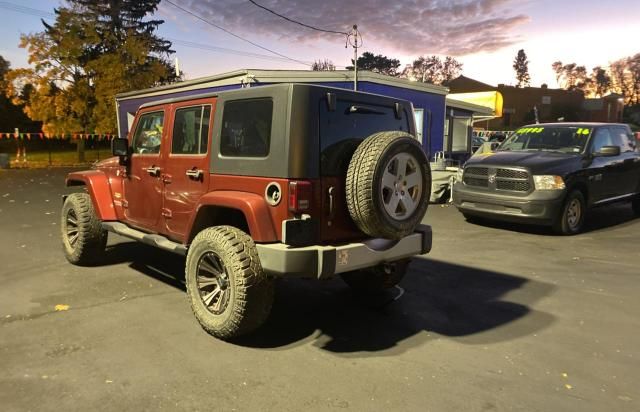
pixel 229 292
pixel 388 185
pixel 83 238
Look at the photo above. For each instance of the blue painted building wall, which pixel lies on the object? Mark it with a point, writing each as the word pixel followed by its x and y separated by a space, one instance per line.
pixel 433 105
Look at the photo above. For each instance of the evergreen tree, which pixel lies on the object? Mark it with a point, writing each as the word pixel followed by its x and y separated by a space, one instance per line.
pixel 521 66
pixel 94 50
pixel 377 64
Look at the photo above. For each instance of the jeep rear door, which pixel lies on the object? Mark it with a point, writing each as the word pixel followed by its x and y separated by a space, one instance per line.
pixel 143 185
pixel 186 165
pixel 341 129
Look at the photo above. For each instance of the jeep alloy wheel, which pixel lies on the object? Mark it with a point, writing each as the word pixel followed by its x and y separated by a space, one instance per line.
pixel 401 186
pixel 213 283
pixel 229 292
pixel 388 185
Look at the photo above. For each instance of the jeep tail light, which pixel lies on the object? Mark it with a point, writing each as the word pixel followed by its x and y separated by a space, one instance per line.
pixel 300 193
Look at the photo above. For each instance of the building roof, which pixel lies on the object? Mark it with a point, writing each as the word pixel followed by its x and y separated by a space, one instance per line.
pixel 473 82
pixel 253 76
pixel 475 108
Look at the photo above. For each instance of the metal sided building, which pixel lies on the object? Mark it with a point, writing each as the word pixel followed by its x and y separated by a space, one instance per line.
pixel 429 100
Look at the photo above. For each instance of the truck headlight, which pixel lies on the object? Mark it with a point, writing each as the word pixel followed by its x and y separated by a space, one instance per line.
pixel 460 174
pixel 548 182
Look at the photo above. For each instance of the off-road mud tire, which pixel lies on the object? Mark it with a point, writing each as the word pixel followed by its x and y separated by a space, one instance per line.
pixel 377 278
pixel 364 184
pixel 564 224
pixel 83 242
pixel 251 291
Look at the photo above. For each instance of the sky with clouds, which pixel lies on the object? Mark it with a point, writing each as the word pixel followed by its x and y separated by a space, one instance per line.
pixel 484 34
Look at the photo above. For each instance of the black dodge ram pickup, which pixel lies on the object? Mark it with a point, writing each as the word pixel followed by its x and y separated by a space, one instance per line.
pixel 550 174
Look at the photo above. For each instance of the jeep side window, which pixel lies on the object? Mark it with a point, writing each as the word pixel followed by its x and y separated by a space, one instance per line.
pixel 246 128
pixel 148 135
pixel 601 139
pixel 191 130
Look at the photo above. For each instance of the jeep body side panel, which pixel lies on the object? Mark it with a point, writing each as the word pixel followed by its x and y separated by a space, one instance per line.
pixel 97 184
pixel 254 207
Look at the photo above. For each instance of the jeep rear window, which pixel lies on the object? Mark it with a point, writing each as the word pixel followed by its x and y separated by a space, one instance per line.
pixel 342 129
pixel 246 128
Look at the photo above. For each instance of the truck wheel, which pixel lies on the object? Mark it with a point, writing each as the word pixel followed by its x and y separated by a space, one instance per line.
pixel 571 218
pixel 388 185
pixel 377 278
pixel 83 238
pixel 229 292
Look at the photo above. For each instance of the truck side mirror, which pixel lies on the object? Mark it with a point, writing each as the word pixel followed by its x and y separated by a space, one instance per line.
pixel 607 151
pixel 120 147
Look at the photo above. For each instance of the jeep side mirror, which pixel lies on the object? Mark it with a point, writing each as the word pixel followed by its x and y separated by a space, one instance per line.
pixel 120 147
pixel 607 151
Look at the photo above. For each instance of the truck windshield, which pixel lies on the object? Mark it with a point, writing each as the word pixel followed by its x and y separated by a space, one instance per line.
pixel 566 139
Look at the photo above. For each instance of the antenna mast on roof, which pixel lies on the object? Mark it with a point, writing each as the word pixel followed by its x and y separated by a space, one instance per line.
pixel 354 39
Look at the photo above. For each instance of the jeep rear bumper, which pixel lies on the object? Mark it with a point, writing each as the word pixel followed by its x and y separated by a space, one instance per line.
pixel 325 261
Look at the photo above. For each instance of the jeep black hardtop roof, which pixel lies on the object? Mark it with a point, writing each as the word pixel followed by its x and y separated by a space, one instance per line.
pixel 280 86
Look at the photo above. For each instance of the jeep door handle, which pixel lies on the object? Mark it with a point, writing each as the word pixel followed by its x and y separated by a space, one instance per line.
pixel 153 170
pixel 194 174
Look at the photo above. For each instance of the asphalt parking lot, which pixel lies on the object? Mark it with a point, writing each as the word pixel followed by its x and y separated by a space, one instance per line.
pixel 496 317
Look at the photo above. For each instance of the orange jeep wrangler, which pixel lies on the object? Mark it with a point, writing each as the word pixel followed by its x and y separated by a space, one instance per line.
pixel 260 183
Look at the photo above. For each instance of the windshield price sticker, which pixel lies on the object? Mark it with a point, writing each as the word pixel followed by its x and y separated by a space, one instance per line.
pixel 530 130
pixel 583 131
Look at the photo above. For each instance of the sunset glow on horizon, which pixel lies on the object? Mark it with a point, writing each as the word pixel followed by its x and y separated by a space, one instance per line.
pixel 484 35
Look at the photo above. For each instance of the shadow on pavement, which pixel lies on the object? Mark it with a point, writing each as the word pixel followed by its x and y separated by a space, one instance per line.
pixel 435 298
pixel 158 264
pixel 442 298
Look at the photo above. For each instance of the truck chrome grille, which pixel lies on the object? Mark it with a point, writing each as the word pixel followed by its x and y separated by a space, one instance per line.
pixel 513 186
pixel 477 171
pixel 474 181
pixel 493 178
pixel 512 174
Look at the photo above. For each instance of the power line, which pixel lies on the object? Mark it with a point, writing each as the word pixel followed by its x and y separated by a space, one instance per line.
pixel 185 43
pixel 25 10
pixel 235 35
pixel 297 22
pixel 200 46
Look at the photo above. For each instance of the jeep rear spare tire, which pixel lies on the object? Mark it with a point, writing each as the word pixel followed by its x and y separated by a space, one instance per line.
pixel 388 185
pixel 229 292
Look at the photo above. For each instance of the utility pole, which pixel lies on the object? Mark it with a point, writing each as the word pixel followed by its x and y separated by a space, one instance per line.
pixel 354 39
